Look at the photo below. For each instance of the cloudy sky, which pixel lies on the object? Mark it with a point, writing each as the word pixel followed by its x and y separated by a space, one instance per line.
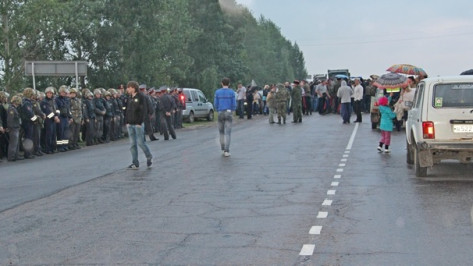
pixel 368 36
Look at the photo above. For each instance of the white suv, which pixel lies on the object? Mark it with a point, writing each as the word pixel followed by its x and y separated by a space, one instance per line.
pixel 440 123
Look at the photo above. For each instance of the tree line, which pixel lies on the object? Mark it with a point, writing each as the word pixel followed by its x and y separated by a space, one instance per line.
pixel 185 43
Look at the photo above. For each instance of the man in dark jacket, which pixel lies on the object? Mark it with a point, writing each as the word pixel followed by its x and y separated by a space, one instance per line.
pixel 150 114
pixel 14 123
pixel 135 114
pixel 89 119
pixel 100 112
pixel 168 107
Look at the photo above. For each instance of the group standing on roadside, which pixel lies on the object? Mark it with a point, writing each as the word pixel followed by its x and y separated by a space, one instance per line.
pixel 34 123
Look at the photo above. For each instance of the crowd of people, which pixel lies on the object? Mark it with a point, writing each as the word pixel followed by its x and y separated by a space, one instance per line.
pixel 303 98
pixel 337 95
pixel 39 123
pixel 34 123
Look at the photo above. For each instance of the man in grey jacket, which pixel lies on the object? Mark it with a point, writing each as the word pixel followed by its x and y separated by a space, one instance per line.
pixel 344 94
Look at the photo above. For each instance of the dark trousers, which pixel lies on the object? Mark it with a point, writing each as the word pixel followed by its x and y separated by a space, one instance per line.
pixel 62 138
pixel 116 125
pixel 307 101
pixel 106 128
pixel 13 146
pixel 335 104
pixel 357 106
pixel 168 127
pixel 75 130
pixel 322 105
pixel 241 108
pixel 99 128
pixel 3 145
pixel 297 113
pixel 28 130
pixel 345 112
pixel 37 138
pixel 249 110
pixel 49 135
pixel 90 132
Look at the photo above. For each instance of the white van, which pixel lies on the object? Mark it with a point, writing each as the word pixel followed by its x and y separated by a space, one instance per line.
pixel 197 106
pixel 440 124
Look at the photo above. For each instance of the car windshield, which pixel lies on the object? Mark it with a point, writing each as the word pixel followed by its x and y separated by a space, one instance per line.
pixel 453 95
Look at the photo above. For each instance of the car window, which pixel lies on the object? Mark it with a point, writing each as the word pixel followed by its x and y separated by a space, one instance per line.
pixel 458 95
pixel 188 97
pixel 201 97
pixel 194 96
pixel 418 95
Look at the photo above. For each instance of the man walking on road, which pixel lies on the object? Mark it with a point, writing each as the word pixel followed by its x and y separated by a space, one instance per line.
pixel 225 104
pixel 135 114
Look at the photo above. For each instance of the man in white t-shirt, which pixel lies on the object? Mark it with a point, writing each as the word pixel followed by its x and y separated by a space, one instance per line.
pixel 358 100
pixel 241 98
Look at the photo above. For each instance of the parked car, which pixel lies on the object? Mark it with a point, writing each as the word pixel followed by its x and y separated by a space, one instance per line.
pixel 197 106
pixel 440 124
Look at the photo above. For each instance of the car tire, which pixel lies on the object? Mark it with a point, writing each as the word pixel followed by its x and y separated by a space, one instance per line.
pixel 191 117
pixel 420 171
pixel 410 153
pixel 210 117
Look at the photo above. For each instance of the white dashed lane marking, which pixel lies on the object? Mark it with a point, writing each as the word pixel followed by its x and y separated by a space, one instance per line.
pixel 327 202
pixel 315 230
pixel 308 249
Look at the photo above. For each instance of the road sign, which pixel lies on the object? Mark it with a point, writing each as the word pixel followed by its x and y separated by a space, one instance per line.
pixel 56 68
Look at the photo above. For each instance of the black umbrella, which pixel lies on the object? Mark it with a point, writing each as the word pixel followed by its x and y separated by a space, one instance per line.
pixel 391 80
pixel 467 72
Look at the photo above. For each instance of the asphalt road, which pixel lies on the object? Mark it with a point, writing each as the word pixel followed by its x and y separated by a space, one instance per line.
pixel 316 193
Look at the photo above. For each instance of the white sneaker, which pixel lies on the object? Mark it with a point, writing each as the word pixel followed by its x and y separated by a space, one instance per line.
pixel 380 149
pixel 387 151
pixel 226 154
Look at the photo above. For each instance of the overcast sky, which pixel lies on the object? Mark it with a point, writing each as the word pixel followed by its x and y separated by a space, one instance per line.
pixel 367 37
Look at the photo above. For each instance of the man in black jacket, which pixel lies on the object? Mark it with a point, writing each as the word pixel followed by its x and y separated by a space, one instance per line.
pixel 168 107
pixel 135 114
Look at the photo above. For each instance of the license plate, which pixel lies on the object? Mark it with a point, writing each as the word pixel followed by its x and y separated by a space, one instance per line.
pixel 462 128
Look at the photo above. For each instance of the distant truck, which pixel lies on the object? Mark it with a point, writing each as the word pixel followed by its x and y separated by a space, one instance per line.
pixel 332 73
pixel 320 77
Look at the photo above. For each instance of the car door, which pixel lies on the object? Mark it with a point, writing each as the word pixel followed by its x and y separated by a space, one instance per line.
pixel 414 114
pixel 451 110
pixel 201 106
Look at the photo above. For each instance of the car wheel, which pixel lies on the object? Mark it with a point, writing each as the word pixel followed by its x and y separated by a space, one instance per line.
pixel 420 171
pixel 210 117
pixel 191 117
pixel 410 153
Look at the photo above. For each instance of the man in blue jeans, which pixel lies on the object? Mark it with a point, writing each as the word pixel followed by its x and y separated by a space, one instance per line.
pixel 225 104
pixel 135 114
